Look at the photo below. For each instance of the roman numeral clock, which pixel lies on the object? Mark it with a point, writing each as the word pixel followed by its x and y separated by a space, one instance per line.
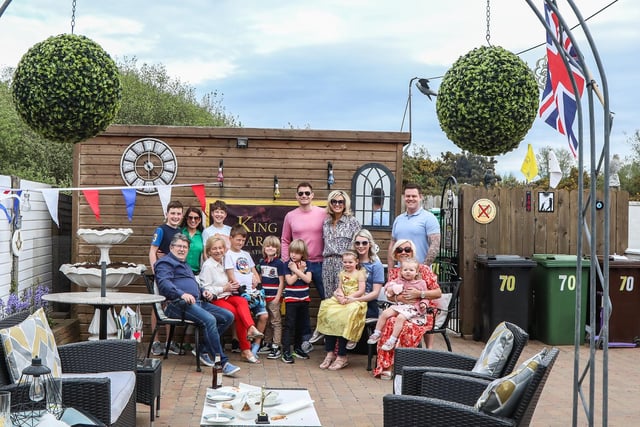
pixel 146 163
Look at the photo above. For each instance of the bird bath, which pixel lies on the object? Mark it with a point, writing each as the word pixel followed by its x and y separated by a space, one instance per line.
pixel 104 239
pixel 97 277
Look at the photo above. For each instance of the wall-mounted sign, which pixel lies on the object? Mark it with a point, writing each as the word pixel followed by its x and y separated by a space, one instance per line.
pixel 483 211
pixel 546 201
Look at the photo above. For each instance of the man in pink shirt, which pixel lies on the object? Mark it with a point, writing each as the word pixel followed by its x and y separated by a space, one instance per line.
pixel 305 223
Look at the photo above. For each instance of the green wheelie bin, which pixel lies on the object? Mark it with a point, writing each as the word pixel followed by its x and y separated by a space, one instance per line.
pixel 554 296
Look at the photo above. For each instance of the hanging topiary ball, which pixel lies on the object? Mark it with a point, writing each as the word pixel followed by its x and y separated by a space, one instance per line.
pixel 487 101
pixel 67 88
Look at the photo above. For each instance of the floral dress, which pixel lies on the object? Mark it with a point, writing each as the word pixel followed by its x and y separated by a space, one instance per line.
pixel 411 334
pixel 344 320
pixel 337 239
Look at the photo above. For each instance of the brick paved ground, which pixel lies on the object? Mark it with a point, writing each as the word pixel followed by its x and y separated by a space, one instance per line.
pixel 352 397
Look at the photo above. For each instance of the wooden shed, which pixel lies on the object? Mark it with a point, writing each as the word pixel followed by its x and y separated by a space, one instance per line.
pixel 253 161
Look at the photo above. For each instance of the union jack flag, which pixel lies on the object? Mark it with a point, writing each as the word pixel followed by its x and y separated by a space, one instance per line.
pixel 559 105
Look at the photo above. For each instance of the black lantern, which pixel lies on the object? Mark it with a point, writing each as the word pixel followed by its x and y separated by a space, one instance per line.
pixel 37 393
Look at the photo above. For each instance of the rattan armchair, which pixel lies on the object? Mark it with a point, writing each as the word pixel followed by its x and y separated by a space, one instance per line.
pixel 411 363
pixel 92 394
pixel 448 400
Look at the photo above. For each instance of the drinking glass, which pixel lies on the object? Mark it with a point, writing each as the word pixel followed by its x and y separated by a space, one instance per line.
pixel 5 408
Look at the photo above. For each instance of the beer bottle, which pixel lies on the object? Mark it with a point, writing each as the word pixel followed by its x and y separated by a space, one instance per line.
pixel 216 380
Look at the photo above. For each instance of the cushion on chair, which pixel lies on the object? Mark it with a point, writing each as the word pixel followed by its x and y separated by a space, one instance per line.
pixel 122 384
pixel 32 337
pixel 502 395
pixel 443 304
pixel 495 352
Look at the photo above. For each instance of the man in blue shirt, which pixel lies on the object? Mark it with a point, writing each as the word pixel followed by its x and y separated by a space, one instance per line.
pixel 418 225
pixel 179 286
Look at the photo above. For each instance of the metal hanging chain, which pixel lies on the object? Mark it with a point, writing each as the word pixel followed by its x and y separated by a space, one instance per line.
pixel 488 37
pixel 73 15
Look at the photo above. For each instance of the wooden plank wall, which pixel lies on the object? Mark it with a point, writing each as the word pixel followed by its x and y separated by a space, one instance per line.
pixel 520 232
pixel 292 155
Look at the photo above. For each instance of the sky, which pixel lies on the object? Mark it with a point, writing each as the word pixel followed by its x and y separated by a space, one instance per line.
pixel 340 64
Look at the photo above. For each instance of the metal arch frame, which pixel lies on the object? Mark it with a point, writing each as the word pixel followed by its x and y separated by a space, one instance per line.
pixel 602 274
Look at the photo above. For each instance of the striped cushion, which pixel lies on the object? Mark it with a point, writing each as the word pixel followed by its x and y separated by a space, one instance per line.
pixel 502 395
pixel 31 338
pixel 495 352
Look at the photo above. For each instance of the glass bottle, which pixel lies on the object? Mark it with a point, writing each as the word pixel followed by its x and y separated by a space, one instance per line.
pixel 216 380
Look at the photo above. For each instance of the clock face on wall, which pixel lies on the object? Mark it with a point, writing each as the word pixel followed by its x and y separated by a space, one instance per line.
pixel 148 162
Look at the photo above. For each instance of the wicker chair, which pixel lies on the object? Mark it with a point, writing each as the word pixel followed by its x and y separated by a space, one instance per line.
pixel 91 395
pixel 448 400
pixel 163 319
pixel 411 363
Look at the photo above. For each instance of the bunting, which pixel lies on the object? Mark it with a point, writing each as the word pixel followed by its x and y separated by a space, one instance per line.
pixel 92 195
pixel 93 198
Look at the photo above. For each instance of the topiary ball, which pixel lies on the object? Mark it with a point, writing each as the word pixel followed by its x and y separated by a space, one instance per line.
pixel 487 101
pixel 67 88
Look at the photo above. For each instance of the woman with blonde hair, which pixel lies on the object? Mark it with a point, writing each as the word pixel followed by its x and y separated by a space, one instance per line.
pixel 215 279
pixel 338 230
pixel 411 334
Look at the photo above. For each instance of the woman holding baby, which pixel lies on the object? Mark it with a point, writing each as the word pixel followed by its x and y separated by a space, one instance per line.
pixel 412 329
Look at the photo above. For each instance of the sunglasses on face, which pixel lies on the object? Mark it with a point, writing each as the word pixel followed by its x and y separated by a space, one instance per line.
pixel 193 218
pixel 361 242
pixel 304 193
pixel 405 250
pixel 337 202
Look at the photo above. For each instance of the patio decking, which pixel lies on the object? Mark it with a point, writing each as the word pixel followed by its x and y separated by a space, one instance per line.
pixel 352 397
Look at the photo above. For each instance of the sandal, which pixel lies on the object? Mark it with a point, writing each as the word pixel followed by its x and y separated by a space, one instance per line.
pixel 254 335
pixel 339 363
pixel 328 360
pixel 373 339
pixel 386 375
pixel 250 358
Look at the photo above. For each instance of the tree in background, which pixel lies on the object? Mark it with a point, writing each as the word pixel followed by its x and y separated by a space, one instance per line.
pixel 431 175
pixel 630 171
pixel 149 97
pixel 565 160
pixel 26 154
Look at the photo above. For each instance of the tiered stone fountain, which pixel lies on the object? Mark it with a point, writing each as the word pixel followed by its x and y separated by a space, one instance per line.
pixel 111 275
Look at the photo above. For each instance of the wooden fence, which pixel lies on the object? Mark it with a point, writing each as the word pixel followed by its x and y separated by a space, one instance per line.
pixel 518 230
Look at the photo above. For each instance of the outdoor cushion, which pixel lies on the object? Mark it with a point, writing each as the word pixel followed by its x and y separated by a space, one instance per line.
pixel 32 337
pixel 122 384
pixel 443 305
pixel 495 352
pixel 502 395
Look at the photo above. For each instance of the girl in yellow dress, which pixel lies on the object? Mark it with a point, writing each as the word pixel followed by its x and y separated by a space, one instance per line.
pixel 341 318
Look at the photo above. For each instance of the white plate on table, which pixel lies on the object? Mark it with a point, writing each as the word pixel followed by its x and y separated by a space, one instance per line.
pixel 220 396
pixel 218 418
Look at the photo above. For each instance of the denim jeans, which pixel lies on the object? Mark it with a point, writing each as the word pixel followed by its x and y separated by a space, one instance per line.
pixel 214 321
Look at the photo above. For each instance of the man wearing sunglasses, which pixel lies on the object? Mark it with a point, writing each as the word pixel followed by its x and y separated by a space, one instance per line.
pixel 418 225
pixel 305 223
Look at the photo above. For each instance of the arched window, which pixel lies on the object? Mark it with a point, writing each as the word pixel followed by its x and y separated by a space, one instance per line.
pixel 372 196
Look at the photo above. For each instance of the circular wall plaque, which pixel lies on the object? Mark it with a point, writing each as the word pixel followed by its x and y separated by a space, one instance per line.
pixel 146 163
pixel 483 211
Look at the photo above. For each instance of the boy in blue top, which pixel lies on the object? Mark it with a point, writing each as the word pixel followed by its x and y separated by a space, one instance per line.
pixel 296 301
pixel 160 246
pixel 271 270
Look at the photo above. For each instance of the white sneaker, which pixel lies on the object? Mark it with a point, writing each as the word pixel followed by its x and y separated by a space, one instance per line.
pixel 317 336
pixel 373 339
pixel 307 347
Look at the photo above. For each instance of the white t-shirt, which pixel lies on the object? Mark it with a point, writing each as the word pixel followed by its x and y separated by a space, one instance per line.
pixel 212 231
pixel 242 264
